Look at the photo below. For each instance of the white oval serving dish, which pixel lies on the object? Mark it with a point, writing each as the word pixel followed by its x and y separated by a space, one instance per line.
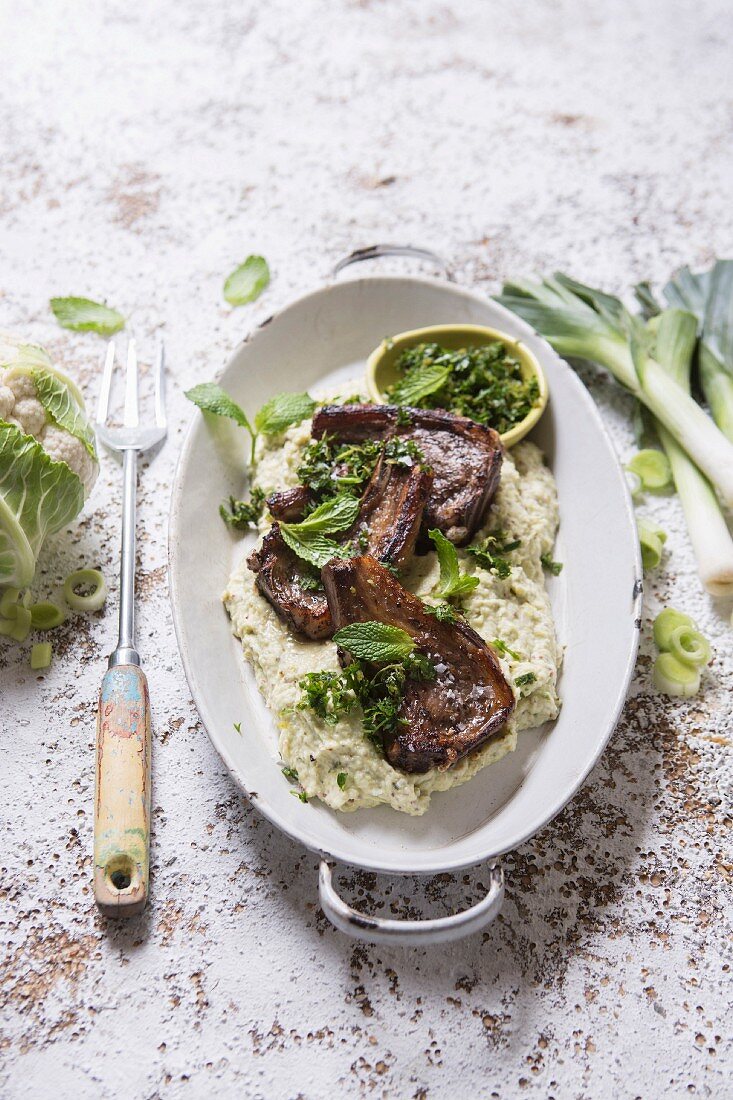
pixel 326 337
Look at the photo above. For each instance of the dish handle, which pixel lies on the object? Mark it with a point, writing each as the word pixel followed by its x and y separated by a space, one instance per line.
pixel 375 251
pixel 409 932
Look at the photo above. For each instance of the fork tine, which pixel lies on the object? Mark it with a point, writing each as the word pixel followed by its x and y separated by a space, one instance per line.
pixel 106 386
pixel 131 412
pixel 160 386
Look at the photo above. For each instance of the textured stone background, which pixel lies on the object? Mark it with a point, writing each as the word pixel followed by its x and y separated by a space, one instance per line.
pixel 146 149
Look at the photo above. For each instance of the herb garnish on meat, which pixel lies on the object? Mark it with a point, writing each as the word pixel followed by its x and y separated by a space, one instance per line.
pixel 329 467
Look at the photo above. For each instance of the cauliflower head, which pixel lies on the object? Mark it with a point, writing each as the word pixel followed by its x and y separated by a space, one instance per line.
pixel 48 461
pixel 24 369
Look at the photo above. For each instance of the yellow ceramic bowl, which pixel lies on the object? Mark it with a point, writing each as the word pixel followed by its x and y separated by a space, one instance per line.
pixel 381 371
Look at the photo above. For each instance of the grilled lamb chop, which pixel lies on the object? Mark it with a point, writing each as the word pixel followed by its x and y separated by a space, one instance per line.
pixel 290 504
pixel 389 522
pixel 391 511
pixel 442 720
pixel 465 457
pixel 280 573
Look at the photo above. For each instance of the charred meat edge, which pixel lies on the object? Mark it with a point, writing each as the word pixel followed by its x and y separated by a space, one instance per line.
pixel 279 571
pixel 289 505
pixel 391 511
pixel 441 721
pixel 465 457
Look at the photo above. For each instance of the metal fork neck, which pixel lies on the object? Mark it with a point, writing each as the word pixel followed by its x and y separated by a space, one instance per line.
pixel 125 653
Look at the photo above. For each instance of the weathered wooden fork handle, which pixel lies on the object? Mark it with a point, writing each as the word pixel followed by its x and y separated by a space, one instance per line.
pixel 122 793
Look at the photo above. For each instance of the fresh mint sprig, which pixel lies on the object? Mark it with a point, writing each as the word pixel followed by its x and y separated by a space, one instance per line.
pixel 453 584
pixel 277 414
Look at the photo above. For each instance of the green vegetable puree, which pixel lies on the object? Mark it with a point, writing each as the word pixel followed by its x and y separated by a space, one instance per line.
pixel 336 762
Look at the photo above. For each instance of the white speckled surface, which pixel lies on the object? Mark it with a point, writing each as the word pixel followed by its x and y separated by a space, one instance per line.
pixel 146 149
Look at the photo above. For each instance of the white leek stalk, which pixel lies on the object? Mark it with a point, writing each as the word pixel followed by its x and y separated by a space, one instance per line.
pixel 711 539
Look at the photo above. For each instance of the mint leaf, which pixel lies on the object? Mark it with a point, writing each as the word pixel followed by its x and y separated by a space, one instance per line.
pixel 59 403
pixel 311 546
pixel 247 281
pixel 336 514
pixel 84 315
pixel 210 397
pixel 376 642
pixel 308 538
pixel 418 383
pixel 452 585
pixel 283 410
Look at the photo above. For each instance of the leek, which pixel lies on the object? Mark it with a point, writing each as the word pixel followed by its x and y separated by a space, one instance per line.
pixel 653 470
pixel 91 600
pixel 690 646
pixel 712 544
pixel 709 296
pixel 673 677
pixel 584 323
pixel 41 655
pixel 46 615
pixel 651 540
pixel 666 622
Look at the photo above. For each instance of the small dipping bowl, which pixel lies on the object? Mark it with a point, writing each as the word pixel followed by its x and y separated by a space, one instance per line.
pixel 381 369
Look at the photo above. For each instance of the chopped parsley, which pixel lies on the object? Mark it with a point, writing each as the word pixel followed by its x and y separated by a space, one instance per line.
pixel 290 774
pixel 484 383
pixel 329 467
pixel 491 553
pixel 378 691
pixel 341 779
pixel 554 567
pixel 503 648
pixel 311 582
pixel 526 679
pixel 237 726
pixel 330 695
pixel 241 514
pixel 443 612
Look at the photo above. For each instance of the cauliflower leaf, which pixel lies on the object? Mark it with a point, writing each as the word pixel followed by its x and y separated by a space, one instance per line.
pixel 37 497
pixel 60 405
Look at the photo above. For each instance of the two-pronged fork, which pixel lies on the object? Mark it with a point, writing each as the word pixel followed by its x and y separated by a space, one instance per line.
pixel 122 789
